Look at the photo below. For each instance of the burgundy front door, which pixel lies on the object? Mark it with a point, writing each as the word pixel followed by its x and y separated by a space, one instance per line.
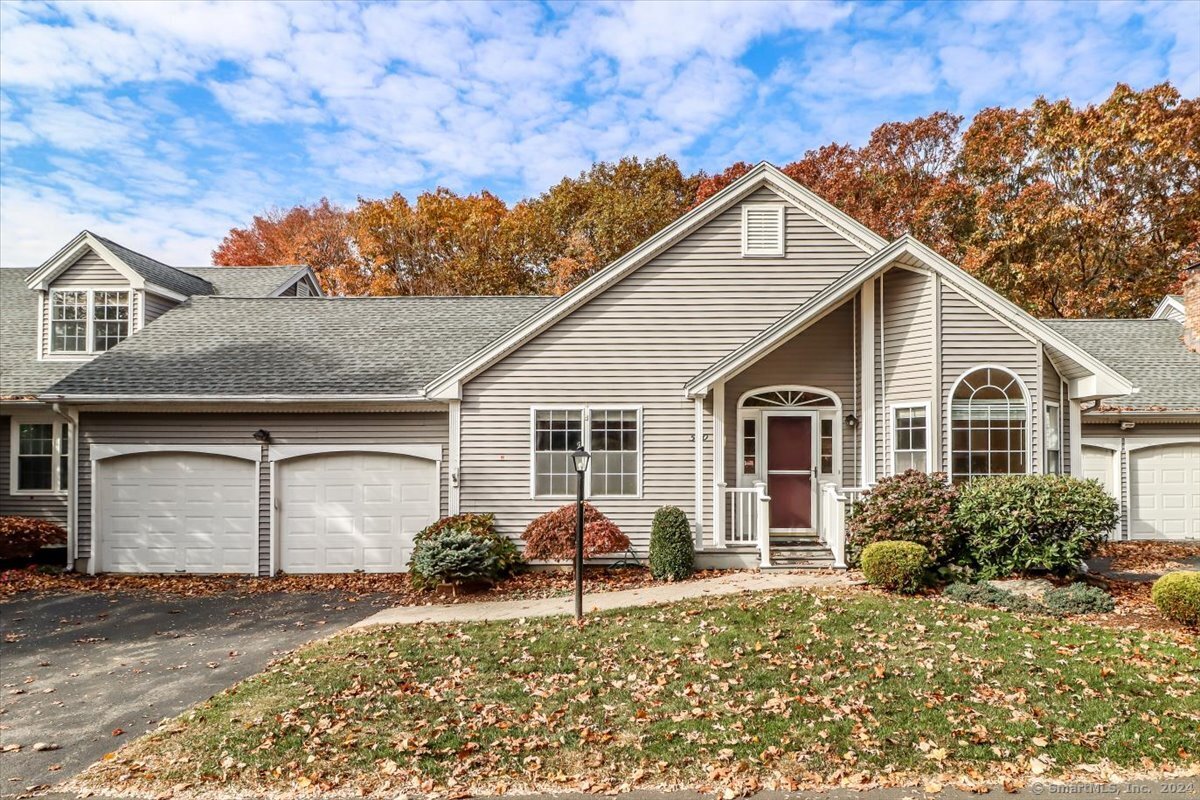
pixel 789 470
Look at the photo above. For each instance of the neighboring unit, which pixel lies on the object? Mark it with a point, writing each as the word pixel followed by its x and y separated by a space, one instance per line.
pixel 757 363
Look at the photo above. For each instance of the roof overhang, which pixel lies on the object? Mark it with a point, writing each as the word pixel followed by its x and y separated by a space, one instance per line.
pixel 260 399
pixel 449 384
pixel 1090 379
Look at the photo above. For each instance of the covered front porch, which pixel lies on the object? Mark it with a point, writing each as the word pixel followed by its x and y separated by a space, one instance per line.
pixel 786 451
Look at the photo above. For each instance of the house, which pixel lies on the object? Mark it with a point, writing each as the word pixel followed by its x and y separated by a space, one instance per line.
pixel 756 363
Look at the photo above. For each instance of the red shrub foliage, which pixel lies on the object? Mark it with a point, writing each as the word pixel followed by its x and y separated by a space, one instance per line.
pixel 21 537
pixel 551 537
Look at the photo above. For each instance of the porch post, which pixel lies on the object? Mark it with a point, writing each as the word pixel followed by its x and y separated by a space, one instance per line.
pixel 698 435
pixel 718 444
pixel 867 360
pixel 1075 421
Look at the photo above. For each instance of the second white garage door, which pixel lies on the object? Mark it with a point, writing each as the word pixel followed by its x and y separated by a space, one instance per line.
pixel 344 512
pixel 1164 492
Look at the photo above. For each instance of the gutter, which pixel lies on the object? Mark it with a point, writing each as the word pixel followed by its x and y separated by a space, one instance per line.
pixel 89 399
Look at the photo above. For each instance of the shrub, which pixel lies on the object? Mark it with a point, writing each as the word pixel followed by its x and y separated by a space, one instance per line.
pixel 984 594
pixel 22 537
pixel 1078 598
pixel 504 558
pixel 453 555
pixel 672 550
pixel 508 555
pixel 911 507
pixel 551 536
pixel 1177 596
pixel 898 566
pixel 1020 523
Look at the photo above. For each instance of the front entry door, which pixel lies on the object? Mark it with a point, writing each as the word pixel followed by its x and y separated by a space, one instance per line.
pixel 790 480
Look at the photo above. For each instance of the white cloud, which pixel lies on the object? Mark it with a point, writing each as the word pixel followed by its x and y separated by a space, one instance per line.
pixel 191 116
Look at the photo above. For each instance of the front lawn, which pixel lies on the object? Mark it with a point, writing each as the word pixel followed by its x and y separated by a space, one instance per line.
pixel 783 690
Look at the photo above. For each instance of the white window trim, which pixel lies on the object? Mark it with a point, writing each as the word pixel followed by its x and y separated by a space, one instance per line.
pixel 56 456
pixel 929 426
pixel 1029 420
pixel 755 413
pixel 586 437
pixel 1046 449
pixel 780 248
pixel 90 320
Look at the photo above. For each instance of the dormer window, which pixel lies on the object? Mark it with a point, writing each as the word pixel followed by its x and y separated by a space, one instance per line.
pixel 762 229
pixel 87 320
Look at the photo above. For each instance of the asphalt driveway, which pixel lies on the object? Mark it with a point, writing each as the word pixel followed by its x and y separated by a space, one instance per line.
pixel 90 671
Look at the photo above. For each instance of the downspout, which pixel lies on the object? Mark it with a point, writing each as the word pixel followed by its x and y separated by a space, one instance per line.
pixel 72 418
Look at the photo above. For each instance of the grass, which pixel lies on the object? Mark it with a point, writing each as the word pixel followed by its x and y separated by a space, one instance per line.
pixel 784 690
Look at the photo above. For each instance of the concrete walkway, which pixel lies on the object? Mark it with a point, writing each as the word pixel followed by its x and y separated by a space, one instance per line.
pixel 732 583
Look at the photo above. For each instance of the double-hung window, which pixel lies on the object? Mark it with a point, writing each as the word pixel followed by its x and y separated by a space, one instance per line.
pixel 910 437
pixel 87 320
pixel 612 435
pixel 41 459
pixel 1053 439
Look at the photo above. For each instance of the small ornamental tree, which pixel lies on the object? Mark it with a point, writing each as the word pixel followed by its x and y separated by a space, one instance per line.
pixel 672 550
pixel 22 537
pixel 910 507
pixel 551 537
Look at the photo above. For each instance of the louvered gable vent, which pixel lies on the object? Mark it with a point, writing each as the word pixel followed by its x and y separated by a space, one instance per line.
pixel 762 230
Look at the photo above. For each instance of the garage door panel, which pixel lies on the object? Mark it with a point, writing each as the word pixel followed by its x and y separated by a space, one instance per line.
pixel 1165 492
pixel 177 512
pixel 368 508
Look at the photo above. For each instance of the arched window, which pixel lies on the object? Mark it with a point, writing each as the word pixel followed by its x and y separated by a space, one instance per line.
pixel 989 425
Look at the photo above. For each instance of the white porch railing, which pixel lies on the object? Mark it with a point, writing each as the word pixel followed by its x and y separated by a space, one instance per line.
pixel 831 524
pixel 748 518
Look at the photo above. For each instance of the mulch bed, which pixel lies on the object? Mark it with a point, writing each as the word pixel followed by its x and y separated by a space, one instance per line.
pixel 1150 557
pixel 388 589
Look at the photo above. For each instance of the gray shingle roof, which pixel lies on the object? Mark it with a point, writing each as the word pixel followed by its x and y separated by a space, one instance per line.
pixel 1146 351
pixel 289 347
pixel 244 281
pixel 157 272
pixel 21 374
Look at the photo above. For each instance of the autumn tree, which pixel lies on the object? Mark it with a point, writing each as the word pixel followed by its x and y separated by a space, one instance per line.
pixel 315 235
pixel 581 224
pixel 1089 211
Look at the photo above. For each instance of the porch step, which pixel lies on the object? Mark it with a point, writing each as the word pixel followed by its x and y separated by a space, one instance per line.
pixel 799 553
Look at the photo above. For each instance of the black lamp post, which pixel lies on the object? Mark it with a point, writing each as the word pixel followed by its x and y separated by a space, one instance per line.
pixel 580 458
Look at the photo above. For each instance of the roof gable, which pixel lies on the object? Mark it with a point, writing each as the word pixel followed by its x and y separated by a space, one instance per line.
pixel 1091 376
pixel 141 271
pixel 762 175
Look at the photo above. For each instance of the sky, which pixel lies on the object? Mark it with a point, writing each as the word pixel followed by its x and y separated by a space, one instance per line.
pixel 162 125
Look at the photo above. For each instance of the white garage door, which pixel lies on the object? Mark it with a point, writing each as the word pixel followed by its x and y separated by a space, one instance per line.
pixel 1164 488
pixel 343 512
pixel 177 512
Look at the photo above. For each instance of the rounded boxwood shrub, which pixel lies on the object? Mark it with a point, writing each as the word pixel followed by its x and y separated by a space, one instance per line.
pixel 897 566
pixel 455 556
pixel 1177 596
pixel 504 555
pixel 1078 598
pixel 672 550
pixel 911 507
pixel 1022 523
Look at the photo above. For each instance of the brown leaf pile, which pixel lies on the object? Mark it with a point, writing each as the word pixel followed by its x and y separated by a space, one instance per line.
pixel 389 588
pixel 1149 557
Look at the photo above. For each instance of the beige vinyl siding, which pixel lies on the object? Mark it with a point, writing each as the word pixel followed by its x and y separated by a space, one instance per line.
pixel 157 305
pixel 821 356
pixel 39 506
pixel 906 351
pixel 1052 393
pixel 638 344
pixel 90 271
pixel 373 428
pixel 973 336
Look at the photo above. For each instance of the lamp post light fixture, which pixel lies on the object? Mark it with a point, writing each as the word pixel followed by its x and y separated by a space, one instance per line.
pixel 580 459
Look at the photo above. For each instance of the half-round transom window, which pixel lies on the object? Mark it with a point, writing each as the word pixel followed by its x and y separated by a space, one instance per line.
pixel 989 429
pixel 788 398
